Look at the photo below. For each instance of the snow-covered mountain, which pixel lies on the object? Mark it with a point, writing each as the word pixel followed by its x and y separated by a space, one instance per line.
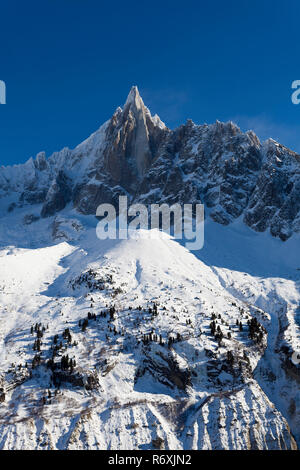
pixel 139 343
pixel 135 154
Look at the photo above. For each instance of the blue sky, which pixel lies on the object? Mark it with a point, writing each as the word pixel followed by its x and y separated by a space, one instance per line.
pixel 68 64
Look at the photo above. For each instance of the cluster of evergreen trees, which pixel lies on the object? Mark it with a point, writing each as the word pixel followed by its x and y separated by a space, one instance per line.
pixel 67 335
pixel 112 311
pixel 230 358
pixel 92 280
pixel 37 345
pixel 216 331
pixel 36 361
pixel 256 330
pixel 115 331
pixel 84 324
pixel 39 330
pixel 67 364
pixel 57 347
pixel 153 337
pixel 46 399
pixel 153 311
pixel 92 316
pixel 173 339
pixel 148 338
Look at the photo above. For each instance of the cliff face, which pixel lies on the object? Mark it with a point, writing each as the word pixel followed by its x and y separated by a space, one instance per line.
pixel 133 138
pixel 134 153
pixel 275 201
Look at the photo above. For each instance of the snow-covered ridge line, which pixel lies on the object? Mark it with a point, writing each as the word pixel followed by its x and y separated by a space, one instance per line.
pixel 133 153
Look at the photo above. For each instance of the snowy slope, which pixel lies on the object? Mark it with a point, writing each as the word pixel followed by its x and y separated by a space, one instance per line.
pixel 126 391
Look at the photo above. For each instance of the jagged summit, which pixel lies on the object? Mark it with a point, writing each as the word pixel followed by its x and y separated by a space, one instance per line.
pixel 133 137
pixel 135 103
pixel 134 98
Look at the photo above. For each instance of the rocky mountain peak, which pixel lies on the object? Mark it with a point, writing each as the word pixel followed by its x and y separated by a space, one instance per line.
pixel 135 154
pixel 133 136
pixel 135 104
pixel 134 99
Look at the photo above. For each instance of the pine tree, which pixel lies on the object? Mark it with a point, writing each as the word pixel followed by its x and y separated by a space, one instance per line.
pixel 84 325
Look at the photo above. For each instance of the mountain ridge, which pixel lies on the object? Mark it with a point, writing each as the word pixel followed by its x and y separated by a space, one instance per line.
pixel 135 154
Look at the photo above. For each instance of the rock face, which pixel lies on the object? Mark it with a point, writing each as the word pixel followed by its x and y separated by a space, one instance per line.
pixel 275 201
pixel 129 146
pixel 135 154
pixel 58 195
pixel 164 368
pixel 133 139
